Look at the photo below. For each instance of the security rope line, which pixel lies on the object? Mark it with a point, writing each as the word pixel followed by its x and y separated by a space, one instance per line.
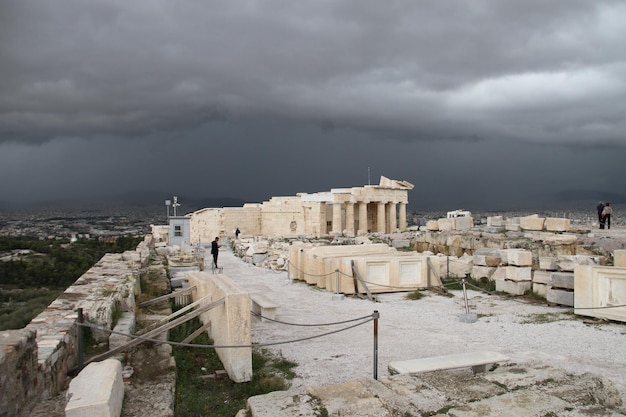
pixel 520 301
pixel 305 325
pixel 310 275
pixel 391 286
pixel 193 345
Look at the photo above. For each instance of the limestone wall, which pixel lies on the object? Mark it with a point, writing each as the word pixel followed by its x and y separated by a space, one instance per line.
pixel 230 321
pixel 34 361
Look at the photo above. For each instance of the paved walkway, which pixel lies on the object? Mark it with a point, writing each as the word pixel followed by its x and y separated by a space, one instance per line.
pixel 427 327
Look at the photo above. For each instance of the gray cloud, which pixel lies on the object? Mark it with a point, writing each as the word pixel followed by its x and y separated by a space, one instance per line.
pixel 492 101
pixel 535 71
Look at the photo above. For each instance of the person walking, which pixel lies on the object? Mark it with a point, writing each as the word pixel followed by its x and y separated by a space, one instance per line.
pixel 600 208
pixel 237 231
pixel 606 216
pixel 215 250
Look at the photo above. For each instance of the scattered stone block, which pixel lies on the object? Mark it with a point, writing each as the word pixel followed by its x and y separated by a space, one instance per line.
pixel 540 288
pixel 554 224
pixel 126 325
pixel 567 263
pixel 519 257
pixel 564 280
pixel 533 222
pixel 445 225
pixel 513 227
pixel 561 297
pixel 484 260
pixel 548 263
pixel 432 225
pixel 98 390
pixel 497 221
pixel 619 258
pixel 464 223
pixel 542 277
pixel 513 287
pixel 483 272
pixel 518 273
pixel 500 273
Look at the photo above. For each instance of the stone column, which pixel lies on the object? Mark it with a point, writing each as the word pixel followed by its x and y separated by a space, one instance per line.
pixel 362 217
pixel 337 227
pixel 380 217
pixel 393 219
pixel 402 215
pixel 350 219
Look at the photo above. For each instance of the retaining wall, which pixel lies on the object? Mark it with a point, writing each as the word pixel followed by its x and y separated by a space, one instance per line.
pixel 34 361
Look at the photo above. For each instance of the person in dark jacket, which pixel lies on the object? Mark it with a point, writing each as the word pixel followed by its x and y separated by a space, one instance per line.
pixel 606 215
pixel 215 250
pixel 600 208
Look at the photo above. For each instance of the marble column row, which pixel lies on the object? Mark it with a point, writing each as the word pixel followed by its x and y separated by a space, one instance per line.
pixel 389 217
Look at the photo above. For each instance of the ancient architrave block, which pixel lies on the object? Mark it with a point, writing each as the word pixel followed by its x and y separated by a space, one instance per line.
pixel 597 289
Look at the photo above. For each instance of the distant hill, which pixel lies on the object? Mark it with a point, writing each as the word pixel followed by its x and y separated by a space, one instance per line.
pixel 147 200
pixel 590 195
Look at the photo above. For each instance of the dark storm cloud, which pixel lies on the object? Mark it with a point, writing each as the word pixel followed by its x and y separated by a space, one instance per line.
pixel 546 72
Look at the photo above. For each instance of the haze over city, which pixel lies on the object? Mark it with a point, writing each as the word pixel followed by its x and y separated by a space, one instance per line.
pixel 488 102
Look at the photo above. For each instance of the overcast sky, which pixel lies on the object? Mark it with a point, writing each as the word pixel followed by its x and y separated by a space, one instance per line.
pixel 502 102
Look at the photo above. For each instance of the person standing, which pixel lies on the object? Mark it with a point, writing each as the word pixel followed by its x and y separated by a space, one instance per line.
pixel 237 231
pixel 215 250
pixel 606 215
pixel 600 208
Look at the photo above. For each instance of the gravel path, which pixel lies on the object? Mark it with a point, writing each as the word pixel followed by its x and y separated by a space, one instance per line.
pixel 427 327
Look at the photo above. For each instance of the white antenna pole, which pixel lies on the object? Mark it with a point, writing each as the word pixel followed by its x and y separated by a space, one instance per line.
pixel 369 182
pixel 175 205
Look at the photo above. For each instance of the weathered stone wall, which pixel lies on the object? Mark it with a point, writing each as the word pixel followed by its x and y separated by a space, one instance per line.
pixel 35 361
pixel 18 370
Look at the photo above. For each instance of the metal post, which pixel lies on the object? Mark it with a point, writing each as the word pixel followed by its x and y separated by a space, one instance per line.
pixel 465 296
pixel 376 315
pixel 80 339
pixel 336 295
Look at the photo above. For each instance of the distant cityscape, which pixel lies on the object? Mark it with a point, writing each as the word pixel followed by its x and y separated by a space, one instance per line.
pixel 92 223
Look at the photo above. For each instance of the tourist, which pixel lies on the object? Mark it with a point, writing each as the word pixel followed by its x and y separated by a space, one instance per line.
pixel 600 207
pixel 606 216
pixel 237 231
pixel 215 251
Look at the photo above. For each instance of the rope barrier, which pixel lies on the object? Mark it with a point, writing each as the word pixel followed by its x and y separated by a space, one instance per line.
pixel 308 325
pixel 193 345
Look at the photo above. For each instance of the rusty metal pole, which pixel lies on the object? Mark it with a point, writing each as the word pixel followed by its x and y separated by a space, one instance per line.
pixel 376 315
pixel 80 338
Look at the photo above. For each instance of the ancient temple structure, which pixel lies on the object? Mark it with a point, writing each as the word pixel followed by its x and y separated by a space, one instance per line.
pixel 352 211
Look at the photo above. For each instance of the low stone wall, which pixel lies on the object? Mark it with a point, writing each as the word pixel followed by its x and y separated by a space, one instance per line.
pixel 35 361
